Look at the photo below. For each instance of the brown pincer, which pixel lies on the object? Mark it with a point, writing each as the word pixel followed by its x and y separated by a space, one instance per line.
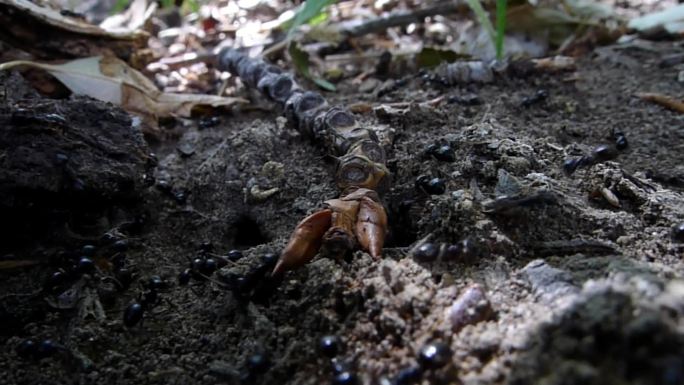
pixel 355 219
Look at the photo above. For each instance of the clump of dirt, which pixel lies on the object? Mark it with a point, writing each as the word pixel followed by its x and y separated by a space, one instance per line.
pixel 611 273
pixel 64 162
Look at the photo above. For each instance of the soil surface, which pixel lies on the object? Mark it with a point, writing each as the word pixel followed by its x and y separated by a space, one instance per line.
pixel 579 280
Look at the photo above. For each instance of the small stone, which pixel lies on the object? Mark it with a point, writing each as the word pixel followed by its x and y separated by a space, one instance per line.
pixel 471 307
pixel 369 85
pixel 548 282
pixel 186 149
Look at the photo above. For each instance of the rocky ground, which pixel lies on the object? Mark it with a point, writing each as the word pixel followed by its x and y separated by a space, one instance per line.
pixel 579 280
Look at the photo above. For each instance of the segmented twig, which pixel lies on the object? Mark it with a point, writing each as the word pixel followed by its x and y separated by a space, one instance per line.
pixel 359 149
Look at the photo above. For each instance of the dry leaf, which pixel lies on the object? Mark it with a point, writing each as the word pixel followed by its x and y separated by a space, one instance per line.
pixel 663 100
pixel 54 18
pixel 670 20
pixel 47 33
pixel 112 80
pixel 134 18
pixel 15 264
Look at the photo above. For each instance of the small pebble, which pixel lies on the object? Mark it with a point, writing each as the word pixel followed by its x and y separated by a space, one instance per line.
pixel 471 307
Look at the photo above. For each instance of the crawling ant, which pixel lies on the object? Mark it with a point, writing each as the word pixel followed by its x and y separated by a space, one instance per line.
pixel 147 299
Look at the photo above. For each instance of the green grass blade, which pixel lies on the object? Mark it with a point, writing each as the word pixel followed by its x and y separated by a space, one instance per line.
pixel 119 6
pixel 300 60
pixel 482 17
pixel 311 9
pixel 500 28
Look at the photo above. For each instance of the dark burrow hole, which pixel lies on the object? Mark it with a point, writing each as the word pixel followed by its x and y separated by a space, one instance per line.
pixel 402 216
pixel 248 233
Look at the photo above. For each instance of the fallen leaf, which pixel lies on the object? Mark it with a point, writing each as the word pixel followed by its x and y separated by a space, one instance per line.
pixel 670 20
pixel 663 100
pixel 430 57
pixel 132 19
pixel 112 80
pixel 300 60
pixel 6 265
pixel 54 18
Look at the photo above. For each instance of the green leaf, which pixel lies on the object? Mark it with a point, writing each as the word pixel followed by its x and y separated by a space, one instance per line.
pixel 119 6
pixel 300 60
pixel 430 57
pixel 310 10
pixel 192 5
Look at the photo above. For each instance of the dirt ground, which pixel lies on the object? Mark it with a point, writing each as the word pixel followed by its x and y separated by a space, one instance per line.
pixel 582 290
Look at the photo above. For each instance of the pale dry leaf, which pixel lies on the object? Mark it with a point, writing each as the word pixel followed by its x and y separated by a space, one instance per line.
pixel 55 18
pixel 135 17
pixel 670 20
pixel 111 80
